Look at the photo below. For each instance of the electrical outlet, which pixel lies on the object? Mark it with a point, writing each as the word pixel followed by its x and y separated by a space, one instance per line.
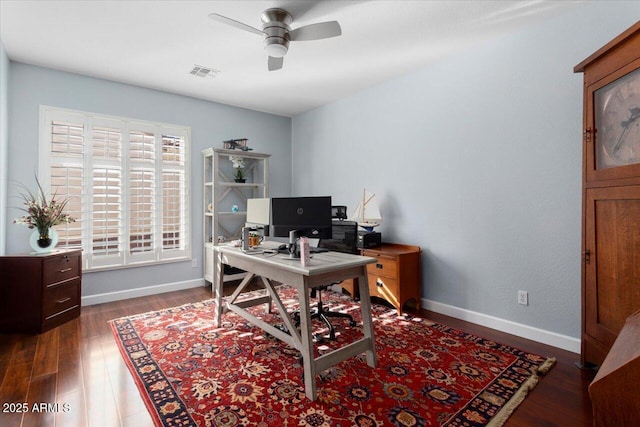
pixel 194 263
pixel 523 297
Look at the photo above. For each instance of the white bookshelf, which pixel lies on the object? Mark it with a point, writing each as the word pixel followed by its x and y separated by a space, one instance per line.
pixel 221 193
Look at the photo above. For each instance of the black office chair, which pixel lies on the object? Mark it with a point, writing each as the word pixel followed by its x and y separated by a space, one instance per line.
pixel 344 239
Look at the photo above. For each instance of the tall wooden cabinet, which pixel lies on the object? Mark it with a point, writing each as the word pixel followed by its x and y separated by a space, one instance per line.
pixel 225 200
pixel 611 192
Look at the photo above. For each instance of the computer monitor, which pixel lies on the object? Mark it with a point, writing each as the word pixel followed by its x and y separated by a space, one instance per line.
pixel 258 211
pixel 306 216
pixel 344 237
pixel 258 215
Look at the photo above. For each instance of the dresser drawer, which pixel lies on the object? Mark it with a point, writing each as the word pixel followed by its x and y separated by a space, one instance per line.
pixel 385 266
pixel 60 269
pixel 384 287
pixel 39 292
pixel 60 299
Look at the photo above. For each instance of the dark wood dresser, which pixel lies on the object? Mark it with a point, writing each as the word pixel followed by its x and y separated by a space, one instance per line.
pixel 39 292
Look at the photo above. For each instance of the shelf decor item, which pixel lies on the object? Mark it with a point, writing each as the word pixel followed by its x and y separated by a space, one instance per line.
pixel 43 214
pixel 367 214
pixel 238 165
pixel 240 144
pixel 46 244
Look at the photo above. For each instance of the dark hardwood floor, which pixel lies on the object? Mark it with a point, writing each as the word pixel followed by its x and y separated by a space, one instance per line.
pixel 78 366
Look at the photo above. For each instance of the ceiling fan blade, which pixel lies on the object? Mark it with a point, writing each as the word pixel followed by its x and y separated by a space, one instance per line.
pixel 275 63
pixel 235 23
pixel 321 30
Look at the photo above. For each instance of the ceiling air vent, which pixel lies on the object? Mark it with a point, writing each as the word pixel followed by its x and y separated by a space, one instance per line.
pixel 204 72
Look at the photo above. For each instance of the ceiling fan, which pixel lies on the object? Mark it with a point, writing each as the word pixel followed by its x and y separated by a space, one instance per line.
pixel 277 34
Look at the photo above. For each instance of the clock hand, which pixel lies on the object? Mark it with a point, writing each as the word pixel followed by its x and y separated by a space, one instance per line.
pixel 635 115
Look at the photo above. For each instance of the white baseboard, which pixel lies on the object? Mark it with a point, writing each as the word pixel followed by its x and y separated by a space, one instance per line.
pixel 141 292
pixel 564 342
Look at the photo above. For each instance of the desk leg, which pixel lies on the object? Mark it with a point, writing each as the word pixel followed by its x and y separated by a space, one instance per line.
pixel 308 361
pixel 367 322
pixel 218 283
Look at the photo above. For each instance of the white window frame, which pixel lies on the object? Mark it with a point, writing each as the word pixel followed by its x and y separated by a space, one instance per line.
pixel 125 257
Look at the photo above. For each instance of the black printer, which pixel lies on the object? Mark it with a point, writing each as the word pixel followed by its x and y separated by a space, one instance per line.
pixel 369 239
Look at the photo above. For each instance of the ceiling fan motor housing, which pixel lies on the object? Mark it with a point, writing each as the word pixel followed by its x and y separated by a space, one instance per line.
pixel 276 29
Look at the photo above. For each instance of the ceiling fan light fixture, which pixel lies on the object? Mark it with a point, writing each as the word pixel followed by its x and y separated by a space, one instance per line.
pixel 276 50
pixel 277 33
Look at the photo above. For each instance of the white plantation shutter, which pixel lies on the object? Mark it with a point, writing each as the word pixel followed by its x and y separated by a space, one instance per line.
pixel 106 143
pixel 142 202
pixel 106 205
pixel 106 209
pixel 67 180
pixel 66 152
pixel 173 193
pixel 142 212
pixel 127 186
pixel 67 139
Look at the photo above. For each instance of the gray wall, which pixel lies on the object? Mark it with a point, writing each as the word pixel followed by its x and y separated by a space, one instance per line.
pixel 4 142
pixel 477 159
pixel 210 124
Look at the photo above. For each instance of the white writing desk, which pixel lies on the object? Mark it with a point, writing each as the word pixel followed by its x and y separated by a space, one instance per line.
pixel 325 268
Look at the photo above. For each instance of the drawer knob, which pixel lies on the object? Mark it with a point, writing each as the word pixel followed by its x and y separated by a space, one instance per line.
pixel 380 266
pixel 64 270
pixel 379 283
pixel 63 300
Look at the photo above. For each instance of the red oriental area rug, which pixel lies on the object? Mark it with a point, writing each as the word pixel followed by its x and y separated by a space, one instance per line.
pixel 192 373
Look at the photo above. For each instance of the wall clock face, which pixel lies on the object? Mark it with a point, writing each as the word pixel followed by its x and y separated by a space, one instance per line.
pixel 617 118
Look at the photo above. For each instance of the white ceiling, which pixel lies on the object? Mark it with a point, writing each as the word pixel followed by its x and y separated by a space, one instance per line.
pixel 155 44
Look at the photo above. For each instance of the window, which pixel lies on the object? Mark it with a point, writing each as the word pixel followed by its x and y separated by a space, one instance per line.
pixel 127 183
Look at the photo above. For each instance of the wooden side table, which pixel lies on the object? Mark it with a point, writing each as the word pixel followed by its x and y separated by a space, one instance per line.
pixel 396 277
pixel 40 291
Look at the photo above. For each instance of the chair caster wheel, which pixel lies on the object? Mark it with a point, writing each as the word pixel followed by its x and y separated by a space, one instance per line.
pixel 352 323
